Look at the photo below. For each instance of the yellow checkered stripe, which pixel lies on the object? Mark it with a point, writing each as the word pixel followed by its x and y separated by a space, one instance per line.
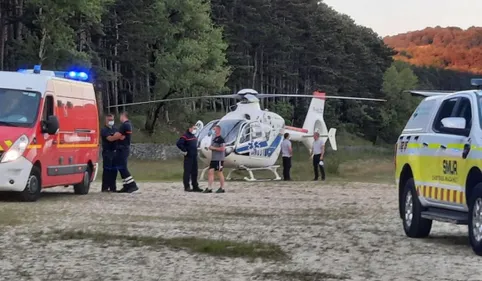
pixel 441 194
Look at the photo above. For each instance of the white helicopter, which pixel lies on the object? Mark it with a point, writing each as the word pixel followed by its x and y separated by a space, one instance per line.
pixel 253 136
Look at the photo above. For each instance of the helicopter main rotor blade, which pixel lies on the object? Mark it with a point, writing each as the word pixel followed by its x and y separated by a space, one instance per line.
pixel 311 96
pixel 175 99
pixel 428 93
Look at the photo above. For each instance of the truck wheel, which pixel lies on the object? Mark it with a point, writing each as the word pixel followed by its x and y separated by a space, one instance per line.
pixel 32 190
pixel 83 187
pixel 475 219
pixel 413 224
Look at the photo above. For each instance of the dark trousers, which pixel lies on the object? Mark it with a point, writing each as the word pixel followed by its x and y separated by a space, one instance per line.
pixel 316 166
pixel 286 168
pixel 190 172
pixel 121 161
pixel 109 173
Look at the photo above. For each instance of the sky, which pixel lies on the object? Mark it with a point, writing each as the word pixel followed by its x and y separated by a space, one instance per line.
pixel 391 17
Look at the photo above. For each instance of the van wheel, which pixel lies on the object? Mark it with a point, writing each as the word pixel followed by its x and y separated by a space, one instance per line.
pixel 413 224
pixel 83 187
pixel 475 219
pixel 32 190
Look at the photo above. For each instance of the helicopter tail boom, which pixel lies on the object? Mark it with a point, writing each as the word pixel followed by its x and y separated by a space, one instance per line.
pixel 314 122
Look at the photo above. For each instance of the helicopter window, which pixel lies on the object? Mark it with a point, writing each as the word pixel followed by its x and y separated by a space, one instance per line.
pixel 230 130
pixel 205 131
pixel 245 134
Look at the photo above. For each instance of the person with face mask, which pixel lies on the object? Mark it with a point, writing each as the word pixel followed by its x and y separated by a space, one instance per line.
pixel 187 143
pixel 123 152
pixel 109 146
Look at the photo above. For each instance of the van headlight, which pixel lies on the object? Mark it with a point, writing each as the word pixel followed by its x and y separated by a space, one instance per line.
pixel 16 150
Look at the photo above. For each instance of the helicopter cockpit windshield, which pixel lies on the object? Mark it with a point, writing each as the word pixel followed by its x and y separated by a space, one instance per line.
pixel 230 129
pixel 205 131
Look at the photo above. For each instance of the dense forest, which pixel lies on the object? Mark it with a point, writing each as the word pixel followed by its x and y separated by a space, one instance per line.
pixel 449 48
pixel 157 49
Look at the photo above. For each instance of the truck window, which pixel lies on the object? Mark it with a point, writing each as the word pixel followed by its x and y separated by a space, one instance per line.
pixel 48 108
pixel 446 110
pixel 464 109
pixel 420 116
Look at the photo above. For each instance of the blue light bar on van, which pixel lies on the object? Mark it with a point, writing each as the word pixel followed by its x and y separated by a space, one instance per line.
pixel 81 76
pixel 36 69
pixel 477 82
pixel 72 75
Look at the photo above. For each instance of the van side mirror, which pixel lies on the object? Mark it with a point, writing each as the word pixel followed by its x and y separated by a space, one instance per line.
pixel 51 126
pixel 455 125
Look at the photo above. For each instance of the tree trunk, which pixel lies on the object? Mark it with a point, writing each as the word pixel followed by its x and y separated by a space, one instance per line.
pixel 152 114
pixel 255 69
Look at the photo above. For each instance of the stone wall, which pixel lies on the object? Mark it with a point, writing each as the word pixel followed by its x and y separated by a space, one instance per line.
pixel 151 151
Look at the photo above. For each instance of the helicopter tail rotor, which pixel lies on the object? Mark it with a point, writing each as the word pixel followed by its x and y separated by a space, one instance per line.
pixel 331 138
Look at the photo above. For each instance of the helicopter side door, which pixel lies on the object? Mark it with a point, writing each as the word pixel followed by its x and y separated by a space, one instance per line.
pixel 252 140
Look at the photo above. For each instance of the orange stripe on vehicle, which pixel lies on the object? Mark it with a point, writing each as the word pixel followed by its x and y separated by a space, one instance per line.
pixel 34 146
pixel 75 145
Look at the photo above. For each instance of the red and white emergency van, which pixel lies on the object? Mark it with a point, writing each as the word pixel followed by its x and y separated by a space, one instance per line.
pixel 49 131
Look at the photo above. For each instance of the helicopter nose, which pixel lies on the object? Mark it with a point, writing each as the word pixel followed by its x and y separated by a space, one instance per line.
pixel 205 143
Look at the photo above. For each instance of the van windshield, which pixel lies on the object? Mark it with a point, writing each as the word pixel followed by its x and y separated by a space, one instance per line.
pixel 18 108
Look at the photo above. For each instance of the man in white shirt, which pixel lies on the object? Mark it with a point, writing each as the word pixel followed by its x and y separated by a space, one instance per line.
pixel 286 153
pixel 317 153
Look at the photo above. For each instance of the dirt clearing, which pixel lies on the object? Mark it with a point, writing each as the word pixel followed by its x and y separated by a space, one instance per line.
pixel 256 231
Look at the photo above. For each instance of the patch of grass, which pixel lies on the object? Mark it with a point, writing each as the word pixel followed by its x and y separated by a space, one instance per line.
pixel 370 165
pixel 366 163
pixel 9 220
pixel 226 248
pixel 15 215
pixel 302 276
pixel 146 170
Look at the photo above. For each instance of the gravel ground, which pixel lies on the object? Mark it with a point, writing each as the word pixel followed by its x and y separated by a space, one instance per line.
pixel 330 231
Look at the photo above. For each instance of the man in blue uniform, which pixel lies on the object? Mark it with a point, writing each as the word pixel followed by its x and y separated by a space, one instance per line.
pixel 109 145
pixel 122 154
pixel 187 143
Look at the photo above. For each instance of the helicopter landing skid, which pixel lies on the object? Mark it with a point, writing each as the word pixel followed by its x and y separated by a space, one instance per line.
pixel 273 169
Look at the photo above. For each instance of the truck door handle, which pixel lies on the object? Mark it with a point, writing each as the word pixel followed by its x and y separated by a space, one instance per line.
pixel 466 151
pixel 443 146
pixel 425 144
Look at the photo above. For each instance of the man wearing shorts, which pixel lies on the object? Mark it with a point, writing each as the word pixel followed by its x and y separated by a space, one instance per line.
pixel 217 161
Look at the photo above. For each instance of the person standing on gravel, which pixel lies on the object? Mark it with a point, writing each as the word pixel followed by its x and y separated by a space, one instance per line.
pixel 122 154
pixel 109 146
pixel 317 153
pixel 286 153
pixel 217 161
pixel 187 143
